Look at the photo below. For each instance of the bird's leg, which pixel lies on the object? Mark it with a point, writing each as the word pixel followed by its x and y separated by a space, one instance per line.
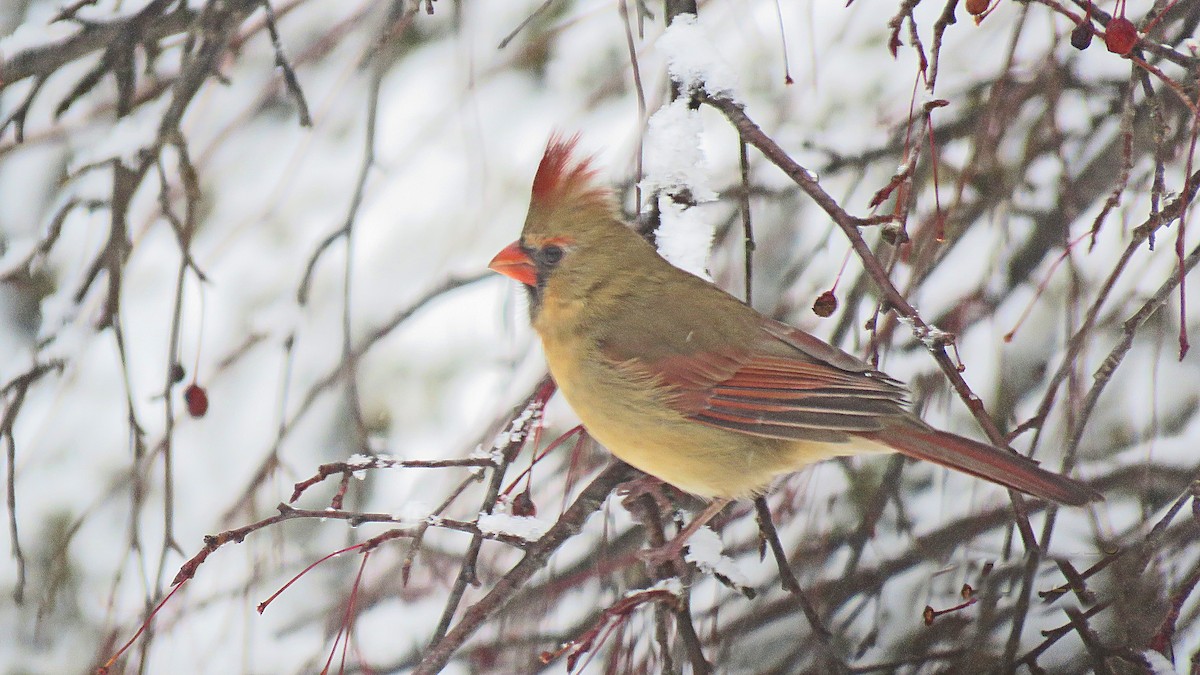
pixel 670 550
pixel 647 486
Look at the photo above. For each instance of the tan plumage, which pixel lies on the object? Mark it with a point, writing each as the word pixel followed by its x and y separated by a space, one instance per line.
pixel 687 383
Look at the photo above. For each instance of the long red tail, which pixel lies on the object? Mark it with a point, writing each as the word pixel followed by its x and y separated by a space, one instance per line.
pixel 984 461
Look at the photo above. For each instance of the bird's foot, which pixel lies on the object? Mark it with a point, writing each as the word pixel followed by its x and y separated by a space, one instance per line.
pixel 670 552
pixel 647 486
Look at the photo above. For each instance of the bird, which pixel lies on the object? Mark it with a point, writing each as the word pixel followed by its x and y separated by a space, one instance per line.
pixel 687 383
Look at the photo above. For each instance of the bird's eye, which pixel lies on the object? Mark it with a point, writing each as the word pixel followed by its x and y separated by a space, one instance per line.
pixel 550 255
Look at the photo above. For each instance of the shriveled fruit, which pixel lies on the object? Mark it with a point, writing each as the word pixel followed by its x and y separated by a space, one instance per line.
pixel 1081 37
pixel 825 305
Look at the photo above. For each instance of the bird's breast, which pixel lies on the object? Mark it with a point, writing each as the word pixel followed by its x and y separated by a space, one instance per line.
pixel 631 416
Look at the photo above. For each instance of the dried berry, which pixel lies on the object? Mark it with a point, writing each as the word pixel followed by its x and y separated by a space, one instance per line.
pixel 522 504
pixel 177 373
pixel 894 234
pixel 1081 37
pixel 196 399
pixel 825 305
pixel 1121 36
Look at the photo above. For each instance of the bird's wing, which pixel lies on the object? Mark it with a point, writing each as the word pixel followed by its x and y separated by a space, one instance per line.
pixel 783 383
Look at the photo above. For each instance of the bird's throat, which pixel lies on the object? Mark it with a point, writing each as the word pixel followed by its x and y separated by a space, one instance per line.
pixel 535 302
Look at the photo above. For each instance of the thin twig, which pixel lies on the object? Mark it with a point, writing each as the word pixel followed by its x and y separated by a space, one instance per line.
pixel 281 62
pixel 568 525
pixel 753 134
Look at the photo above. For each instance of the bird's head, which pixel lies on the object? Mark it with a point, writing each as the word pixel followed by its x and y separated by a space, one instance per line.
pixel 573 223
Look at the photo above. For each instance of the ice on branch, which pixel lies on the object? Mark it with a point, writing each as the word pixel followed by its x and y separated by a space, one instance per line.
pixel 360 460
pixel 691 60
pixel 929 335
pixel 516 431
pixel 935 337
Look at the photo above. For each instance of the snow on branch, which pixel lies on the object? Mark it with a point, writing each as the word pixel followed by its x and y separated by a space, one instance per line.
pixel 692 62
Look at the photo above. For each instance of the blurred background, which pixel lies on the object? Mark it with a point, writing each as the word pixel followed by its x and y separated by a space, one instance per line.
pixel 241 239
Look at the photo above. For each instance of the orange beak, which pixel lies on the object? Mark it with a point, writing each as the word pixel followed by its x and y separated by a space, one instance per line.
pixel 514 263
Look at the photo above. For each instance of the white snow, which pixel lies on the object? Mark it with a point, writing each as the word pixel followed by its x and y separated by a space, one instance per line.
pixel 674 157
pixel 124 140
pixel 360 460
pixel 36 32
pixel 932 336
pixel 693 60
pixel 460 127
pixel 705 550
pixel 675 165
pixel 1159 664
pixel 671 585
pixel 413 511
pixel 525 527
pixel 19 249
pixel 684 239
pixel 517 429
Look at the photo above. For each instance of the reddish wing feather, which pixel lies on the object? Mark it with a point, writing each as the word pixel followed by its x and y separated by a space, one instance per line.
pixel 790 386
pixel 790 398
pixel 810 391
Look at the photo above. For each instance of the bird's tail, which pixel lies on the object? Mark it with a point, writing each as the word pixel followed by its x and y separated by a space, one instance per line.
pixel 984 461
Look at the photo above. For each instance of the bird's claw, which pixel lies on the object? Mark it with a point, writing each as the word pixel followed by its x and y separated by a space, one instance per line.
pixel 648 486
pixel 669 553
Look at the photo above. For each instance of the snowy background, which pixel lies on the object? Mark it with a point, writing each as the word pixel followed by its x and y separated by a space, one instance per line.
pixel 394 339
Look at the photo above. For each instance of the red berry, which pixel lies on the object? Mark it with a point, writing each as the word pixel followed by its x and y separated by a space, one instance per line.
pixel 977 7
pixel 1121 36
pixel 825 305
pixel 197 400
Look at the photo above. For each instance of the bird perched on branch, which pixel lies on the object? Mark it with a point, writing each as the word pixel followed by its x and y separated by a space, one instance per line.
pixel 687 383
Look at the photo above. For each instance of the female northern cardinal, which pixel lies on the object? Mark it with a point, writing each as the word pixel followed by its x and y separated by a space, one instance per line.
pixel 687 383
